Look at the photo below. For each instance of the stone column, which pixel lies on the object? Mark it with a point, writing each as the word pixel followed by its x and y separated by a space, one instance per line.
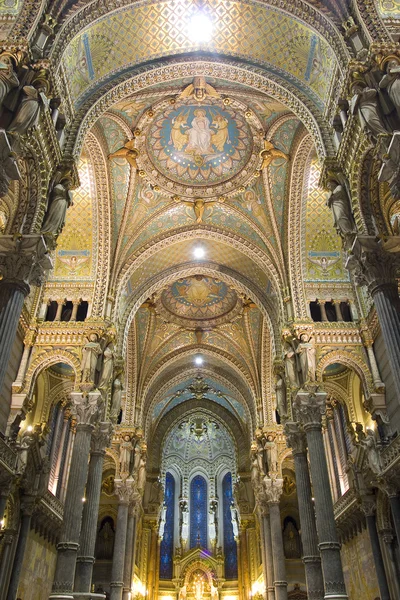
pixel 273 492
pixel 60 304
pixel 309 407
pixel 336 304
pixel 394 500
pixel 369 507
pixel 23 261
pixel 124 489
pixel 130 550
pixel 75 306
pixel 323 311
pixel 27 506
pixel 296 440
pixel 5 489
pixel 85 561
pixel 152 561
pixel 6 558
pixel 244 559
pixel 377 269
pixel 263 550
pixel 86 407
pixel 269 555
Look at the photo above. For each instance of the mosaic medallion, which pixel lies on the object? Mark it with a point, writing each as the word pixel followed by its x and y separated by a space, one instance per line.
pixel 199 144
pixel 198 301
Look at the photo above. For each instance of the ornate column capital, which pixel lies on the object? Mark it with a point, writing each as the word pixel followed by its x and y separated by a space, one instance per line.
pixel 295 438
pixel 309 408
pixel 368 505
pixel 101 437
pixel 87 408
pixel 124 489
pixel 273 489
pixel 371 264
pixel 24 260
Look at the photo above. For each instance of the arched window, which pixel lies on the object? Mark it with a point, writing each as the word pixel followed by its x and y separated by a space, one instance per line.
pixel 167 543
pixel 198 512
pixel 230 548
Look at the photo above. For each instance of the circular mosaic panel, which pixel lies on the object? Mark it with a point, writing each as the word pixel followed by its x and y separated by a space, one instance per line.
pixel 199 301
pixel 199 144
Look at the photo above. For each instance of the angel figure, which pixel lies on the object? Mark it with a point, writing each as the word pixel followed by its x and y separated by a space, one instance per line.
pixel 199 89
pixel 90 354
pixel 391 81
pixel 72 261
pixel 28 111
pixel 127 152
pixel 8 78
pixel 339 202
pixel 221 137
pixel 269 153
pixel 324 262
pixel 198 205
pixel 177 138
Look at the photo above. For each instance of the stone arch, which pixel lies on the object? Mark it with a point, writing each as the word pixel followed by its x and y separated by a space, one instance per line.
pixel 44 360
pixel 201 565
pixel 351 360
pixel 59 393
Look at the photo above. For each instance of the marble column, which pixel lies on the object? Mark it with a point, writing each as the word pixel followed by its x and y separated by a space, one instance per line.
pixel 369 508
pixel 85 561
pixel 75 306
pixel 152 561
pixel 273 492
pixel 124 490
pixel 336 304
pixel 309 407
pixel 323 310
pixel 7 545
pixel 130 550
pixel 86 407
pixel 296 440
pixel 260 514
pixel 244 559
pixel 269 555
pixel 377 269
pixel 394 501
pixel 23 261
pixel 27 506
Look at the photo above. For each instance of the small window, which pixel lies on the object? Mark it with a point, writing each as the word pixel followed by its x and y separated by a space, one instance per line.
pixel 82 311
pixel 315 311
pixel 51 310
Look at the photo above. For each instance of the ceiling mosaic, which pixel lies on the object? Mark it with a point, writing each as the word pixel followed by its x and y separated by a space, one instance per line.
pixel 199 301
pixel 145 31
pixel 389 8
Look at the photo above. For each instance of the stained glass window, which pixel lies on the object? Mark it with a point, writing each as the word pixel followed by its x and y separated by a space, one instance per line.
pixel 230 548
pixel 167 543
pixel 198 512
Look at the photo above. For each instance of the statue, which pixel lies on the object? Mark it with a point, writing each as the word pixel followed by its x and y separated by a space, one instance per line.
pixel 28 111
pixel 199 89
pixel 271 451
pixel 116 399
pixel 339 202
pixel 390 172
pixel 214 592
pixel 127 152
pixel 90 354
pixel 107 368
pixel 281 401
pixel 60 199
pixel 255 473
pixel 260 452
pixel 306 352
pixel 184 522
pixel 365 103
pixel 163 519
pixel 291 365
pixel 125 451
pixel 8 78
pixel 141 472
pixel 9 170
pixel 373 456
pixel 269 153
pixel 182 593
pixel 391 82
pixel 234 520
pixel 212 523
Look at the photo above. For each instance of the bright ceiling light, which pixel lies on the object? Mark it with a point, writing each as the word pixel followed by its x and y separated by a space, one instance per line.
pixel 200 28
pixel 198 361
pixel 199 252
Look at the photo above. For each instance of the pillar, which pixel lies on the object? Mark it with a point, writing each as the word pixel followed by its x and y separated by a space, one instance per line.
pixel 369 511
pixel 124 490
pixel 23 261
pixel 130 551
pixel 260 513
pixel 269 556
pixel 309 407
pixel 60 304
pixel 336 304
pixel 75 306
pixel 273 492
pixel 394 500
pixel 87 413
pixel 244 559
pixel 296 440
pixel 323 311
pixel 27 506
pixel 377 269
pixel 87 541
pixel 6 558
pixel 5 488
pixel 152 561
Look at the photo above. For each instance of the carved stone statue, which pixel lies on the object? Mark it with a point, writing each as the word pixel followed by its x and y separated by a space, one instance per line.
pixel 391 82
pixel 184 522
pixel 291 365
pixel 214 595
pixel 373 456
pixel 306 352
pixel 141 472
pixel 116 399
pixel 260 452
pixel 281 401
pixel 212 523
pixel 365 104
pixel 339 203
pixel 28 111
pixel 182 593
pixel 107 368
pixel 125 451
pixel 390 172
pixel 163 519
pixel 235 520
pixel 90 354
pixel 8 78
pixel 255 474
pixel 271 451
pixel 8 165
pixel 60 199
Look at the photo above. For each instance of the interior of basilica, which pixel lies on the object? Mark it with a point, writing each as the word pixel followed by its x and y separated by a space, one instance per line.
pixel 199 300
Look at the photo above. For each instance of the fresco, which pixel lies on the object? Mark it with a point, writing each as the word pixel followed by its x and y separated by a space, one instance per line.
pixel 145 31
pixel 199 144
